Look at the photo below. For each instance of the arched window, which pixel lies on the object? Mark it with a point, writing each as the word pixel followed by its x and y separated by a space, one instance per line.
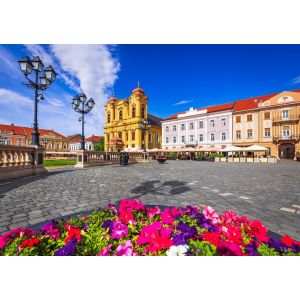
pixel 119 134
pixel 121 115
pixel 133 135
pixel 133 111
pixel 108 118
pixel 143 111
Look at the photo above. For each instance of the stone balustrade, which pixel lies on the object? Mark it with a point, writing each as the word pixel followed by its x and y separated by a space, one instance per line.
pixel 87 158
pixel 18 161
pixel 270 160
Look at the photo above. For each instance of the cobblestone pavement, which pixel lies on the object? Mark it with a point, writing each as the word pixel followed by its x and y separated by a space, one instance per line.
pixel 270 192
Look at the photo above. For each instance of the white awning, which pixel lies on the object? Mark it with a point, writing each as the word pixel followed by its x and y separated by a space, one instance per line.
pixel 254 148
pixel 232 149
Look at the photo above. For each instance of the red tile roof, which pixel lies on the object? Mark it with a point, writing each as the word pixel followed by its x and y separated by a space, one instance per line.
pixel 94 138
pixel 27 131
pixel 17 130
pixel 252 103
pixel 220 107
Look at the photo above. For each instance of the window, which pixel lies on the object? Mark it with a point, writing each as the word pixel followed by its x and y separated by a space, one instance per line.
pixel 121 115
pixel 174 139
pixel 65 146
pixel 238 134
pixel 133 135
pixel 249 118
pixel 143 111
pixel 167 140
pixel 285 114
pixel 157 138
pixel 191 126
pixel 249 133
pixel 133 111
pixel 238 119
pixel 223 136
pixel 286 131
pixel 174 127
pixel 57 146
pixel 267 132
pixel 191 137
pixel 267 115
pixel 120 135
pixel 212 137
pixel 49 146
pixel 200 137
pixel 212 123
pixel 223 121
pixel 150 137
pixel 167 128
pixel 108 118
pixel 183 139
pixel 19 142
pixel 201 124
pixel 182 127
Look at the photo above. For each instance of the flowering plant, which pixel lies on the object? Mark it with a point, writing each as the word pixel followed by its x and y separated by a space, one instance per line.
pixel 134 229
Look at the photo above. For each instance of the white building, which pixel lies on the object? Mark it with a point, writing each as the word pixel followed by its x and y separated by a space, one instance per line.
pixel 205 127
pixel 90 143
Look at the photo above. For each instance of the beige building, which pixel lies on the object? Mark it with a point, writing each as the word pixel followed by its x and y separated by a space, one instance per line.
pixel 272 121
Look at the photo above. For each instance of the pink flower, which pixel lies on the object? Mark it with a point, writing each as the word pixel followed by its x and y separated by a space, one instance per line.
pixel 152 212
pixel 126 250
pixel 230 218
pixel 167 217
pixel 226 248
pixel 211 214
pixel 104 251
pixel 14 233
pixel 119 230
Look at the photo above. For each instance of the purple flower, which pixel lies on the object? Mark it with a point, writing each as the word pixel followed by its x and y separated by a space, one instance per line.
pixel 179 239
pixel 85 226
pixel 51 229
pixel 203 222
pixel 188 231
pixel 108 224
pixel 119 230
pixel 277 245
pixel 68 249
pixel 251 249
pixel 295 248
pixel 192 211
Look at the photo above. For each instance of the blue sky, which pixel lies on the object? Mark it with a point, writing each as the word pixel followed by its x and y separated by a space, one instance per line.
pixel 174 77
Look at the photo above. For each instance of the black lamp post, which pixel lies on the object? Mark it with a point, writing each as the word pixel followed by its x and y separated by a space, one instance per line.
pixel 145 126
pixel 35 64
pixel 86 107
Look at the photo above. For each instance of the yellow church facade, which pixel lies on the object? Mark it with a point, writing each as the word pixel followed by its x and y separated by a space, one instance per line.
pixel 122 130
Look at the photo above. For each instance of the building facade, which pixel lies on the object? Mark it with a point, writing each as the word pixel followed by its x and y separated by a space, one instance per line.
pixel 202 127
pixel 271 121
pixel 22 136
pixel 122 124
pixel 90 143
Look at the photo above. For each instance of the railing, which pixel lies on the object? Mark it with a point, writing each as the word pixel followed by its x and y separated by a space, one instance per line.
pixel 17 161
pixel 284 137
pixel 287 119
pixel 98 158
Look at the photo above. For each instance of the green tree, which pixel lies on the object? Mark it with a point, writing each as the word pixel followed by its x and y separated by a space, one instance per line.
pixel 99 146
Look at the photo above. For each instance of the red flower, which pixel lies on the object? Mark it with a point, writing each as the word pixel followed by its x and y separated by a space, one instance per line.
pixel 256 229
pixel 126 217
pixel 288 240
pixel 233 234
pixel 29 243
pixel 212 237
pixel 72 231
pixel 167 217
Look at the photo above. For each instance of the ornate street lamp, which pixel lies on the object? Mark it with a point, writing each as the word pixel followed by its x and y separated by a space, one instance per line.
pixel 35 64
pixel 145 126
pixel 82 106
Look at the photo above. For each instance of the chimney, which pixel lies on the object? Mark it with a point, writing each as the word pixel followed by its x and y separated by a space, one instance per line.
pixel 12 124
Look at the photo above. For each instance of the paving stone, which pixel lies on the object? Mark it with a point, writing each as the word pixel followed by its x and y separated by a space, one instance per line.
pixel 35 221
pixel 296 206
pixel 288 209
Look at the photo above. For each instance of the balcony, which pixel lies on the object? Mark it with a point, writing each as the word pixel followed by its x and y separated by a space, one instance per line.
pixel 294 138
pixel 291 118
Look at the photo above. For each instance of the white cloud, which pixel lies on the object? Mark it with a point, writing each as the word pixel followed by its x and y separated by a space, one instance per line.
pixel 9 63
pixel 296 80
pixel 183 102
pixel 88 68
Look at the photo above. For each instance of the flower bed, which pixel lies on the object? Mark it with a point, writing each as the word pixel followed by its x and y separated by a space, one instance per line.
pixel 134 229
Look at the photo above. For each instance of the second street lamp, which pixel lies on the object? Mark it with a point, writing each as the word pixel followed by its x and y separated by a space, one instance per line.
pixel 82 106
pixel 145 125
pixel 35 64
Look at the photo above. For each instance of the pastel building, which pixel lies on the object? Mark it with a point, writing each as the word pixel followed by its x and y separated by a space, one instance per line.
pixel 202 127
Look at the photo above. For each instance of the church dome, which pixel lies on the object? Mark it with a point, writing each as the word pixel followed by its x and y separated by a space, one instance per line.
pixel 138 90
pixel 112 100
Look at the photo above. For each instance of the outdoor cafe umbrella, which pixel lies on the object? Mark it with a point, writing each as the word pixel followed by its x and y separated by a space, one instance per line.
pixel 255 148
pixel 232 149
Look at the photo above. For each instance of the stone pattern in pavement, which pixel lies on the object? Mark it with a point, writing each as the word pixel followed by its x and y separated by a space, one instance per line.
pixel 258 191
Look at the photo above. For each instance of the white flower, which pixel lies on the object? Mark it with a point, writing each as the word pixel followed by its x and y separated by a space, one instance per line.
pixel 177 250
